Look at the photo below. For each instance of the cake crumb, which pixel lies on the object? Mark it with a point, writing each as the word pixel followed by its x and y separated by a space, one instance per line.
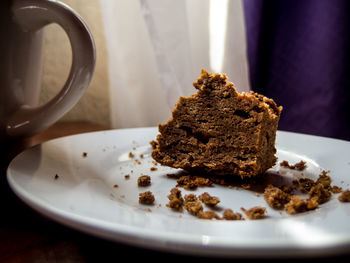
pixel 324 179
pixel 256 212
pixel 345 196
pixel 287 189
pixel 193 207
pixel 295 205
pixel 131 155
pixel 84 154
pixel 175 199
pixel 208 215
pixel 192 182
pixel 146 198
pixel 300 166
pixel 275 197
pixel 190 197
pixel 209 200
pixel 144 180
pixel 319 193
pixel 152 169
pixel 228 214
pixel 336 189
pixel 312 203
pixel 115 186
pixel 127 176
pixel 305 184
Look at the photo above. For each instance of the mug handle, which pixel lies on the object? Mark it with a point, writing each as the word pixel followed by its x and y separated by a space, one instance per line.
pixel 33 15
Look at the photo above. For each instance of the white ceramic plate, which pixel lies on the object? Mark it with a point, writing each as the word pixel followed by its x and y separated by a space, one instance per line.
pixel 79 191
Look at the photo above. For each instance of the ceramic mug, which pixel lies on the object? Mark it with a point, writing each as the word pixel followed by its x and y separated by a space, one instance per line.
pixel 21 30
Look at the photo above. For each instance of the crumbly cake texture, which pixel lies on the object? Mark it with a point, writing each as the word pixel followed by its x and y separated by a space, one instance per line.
pixel 345 196
pixel 144 180
pixel 194 205
pixel 192 182
pixel 146 198
pixel 209 200
pixel 256 212
pixel 228 214
pixel 219 131
pixel 313 194
pixel 175 199
pixel 300 166
pixel 276 197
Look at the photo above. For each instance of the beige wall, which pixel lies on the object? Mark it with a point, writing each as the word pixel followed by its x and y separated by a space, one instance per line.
pixel 94 105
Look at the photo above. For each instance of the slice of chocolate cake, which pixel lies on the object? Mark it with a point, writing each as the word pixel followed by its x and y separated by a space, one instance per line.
pixel 219 131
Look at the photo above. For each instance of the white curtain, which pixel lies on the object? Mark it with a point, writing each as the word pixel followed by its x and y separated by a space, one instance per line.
pixel 157 48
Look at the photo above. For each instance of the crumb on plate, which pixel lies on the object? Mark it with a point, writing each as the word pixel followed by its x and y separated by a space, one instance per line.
pixel 275 197
pixel 256 212
pixel 228 214
pixel 209 200
pixel 144 180
pixel 300 166
pixel 146 198
pixel 345 196
pixel 175 199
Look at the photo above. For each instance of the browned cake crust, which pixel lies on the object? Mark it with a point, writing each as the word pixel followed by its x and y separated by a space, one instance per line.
pixel 219 131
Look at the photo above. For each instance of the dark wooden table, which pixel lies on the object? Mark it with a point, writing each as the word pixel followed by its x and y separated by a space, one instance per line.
pixel 26 236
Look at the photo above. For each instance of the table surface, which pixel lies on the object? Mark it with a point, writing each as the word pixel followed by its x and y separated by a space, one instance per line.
pixel 26 236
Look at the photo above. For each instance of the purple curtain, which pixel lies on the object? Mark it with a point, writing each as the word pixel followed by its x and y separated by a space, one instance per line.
pixel 299 55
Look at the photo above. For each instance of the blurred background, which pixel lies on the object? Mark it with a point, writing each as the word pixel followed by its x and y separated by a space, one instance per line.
pixel 150 51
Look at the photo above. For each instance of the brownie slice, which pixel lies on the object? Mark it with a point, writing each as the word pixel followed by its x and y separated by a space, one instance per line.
pixel 219 131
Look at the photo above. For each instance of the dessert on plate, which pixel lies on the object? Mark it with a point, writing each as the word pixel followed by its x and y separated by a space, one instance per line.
pixel 219 131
